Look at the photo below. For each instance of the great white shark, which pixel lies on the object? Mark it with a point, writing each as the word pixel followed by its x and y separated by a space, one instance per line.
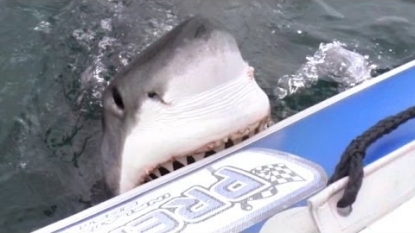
pixel 187 96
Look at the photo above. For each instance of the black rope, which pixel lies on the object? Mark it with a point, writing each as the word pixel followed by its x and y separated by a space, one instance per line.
pixel 351 162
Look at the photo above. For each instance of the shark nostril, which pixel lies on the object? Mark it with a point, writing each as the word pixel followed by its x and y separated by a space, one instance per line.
pixel 117 98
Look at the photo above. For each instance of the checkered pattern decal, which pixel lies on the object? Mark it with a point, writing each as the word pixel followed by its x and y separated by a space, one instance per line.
pixel 276 174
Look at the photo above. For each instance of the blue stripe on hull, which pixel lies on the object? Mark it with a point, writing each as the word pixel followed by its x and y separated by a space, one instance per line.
pixel 323 136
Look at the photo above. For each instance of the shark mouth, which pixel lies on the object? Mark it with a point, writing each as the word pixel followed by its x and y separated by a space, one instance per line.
pixel 176 163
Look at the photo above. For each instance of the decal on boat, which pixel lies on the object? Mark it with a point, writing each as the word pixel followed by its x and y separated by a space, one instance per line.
pixel 231 193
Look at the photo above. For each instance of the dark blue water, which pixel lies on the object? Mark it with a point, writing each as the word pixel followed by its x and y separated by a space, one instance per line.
pixel 57 56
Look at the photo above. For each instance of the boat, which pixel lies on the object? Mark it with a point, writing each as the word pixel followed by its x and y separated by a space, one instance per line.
pixel 281 180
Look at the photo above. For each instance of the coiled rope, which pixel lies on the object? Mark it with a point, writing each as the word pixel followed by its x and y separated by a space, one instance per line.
pixel 351 162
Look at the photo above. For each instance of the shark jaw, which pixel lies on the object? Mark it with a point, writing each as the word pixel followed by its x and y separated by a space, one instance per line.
pixel 175 163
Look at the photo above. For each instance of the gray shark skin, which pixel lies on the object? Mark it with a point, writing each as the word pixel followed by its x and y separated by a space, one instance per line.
pixel 187 93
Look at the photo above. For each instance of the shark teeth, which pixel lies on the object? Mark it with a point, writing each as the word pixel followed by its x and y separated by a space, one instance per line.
pixel 210 149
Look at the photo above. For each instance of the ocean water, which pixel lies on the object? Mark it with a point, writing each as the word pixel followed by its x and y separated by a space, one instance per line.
pixel 57 56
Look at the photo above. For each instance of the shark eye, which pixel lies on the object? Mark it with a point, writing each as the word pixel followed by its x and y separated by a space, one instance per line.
pixel 117 98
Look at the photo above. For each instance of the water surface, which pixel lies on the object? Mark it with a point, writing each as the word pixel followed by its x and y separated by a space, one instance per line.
pixel 57 56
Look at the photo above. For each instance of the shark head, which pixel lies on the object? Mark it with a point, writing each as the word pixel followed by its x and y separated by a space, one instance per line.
pixel 188 95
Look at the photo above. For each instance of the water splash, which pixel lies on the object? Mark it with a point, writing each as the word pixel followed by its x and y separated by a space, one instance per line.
pixel 43 26
pixel 332 62
pixel 84 37
pixel 106 24
pixel 93 78
pixel 96 77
